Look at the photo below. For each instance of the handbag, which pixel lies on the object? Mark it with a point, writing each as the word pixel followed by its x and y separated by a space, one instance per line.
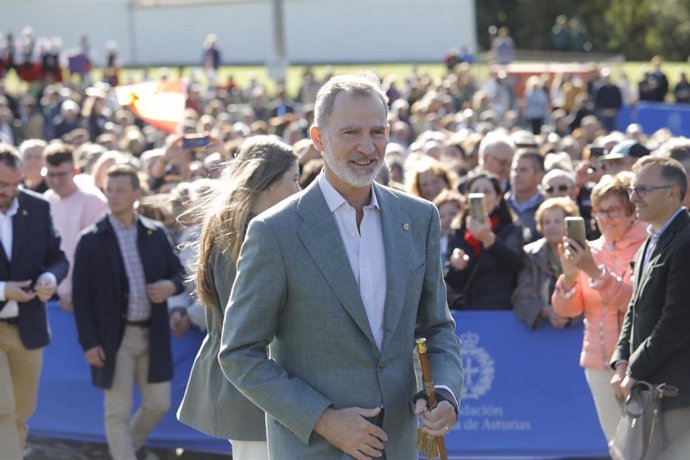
pixel 639 434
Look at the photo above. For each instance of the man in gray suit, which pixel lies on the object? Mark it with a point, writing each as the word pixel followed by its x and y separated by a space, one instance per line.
pixel 334 285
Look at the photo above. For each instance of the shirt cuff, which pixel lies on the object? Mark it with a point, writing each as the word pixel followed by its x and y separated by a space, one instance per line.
pixel 47 278
pixel 450 392
pixel 2 291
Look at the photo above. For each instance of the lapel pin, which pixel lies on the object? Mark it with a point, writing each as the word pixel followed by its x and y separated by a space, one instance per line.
pixel 149 232
pixel 406 227
pixel 24 212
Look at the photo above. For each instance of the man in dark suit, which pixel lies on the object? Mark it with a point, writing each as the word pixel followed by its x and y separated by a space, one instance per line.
pixel 124 272
pixel 654 344
pixel 31 266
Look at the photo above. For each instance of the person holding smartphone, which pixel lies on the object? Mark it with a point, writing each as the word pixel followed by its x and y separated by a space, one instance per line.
pixel 484 251
pixel 596 281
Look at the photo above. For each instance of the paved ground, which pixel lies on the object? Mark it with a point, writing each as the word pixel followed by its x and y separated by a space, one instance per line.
pixel 50 449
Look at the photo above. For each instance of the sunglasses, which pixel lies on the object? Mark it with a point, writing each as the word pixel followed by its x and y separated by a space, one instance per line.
pixel 560 188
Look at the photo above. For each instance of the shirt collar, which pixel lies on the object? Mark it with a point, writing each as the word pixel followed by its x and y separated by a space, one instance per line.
pixel 334 199
pixel 656 235
pixel 117 225
pixel 12 210
pixel 532 202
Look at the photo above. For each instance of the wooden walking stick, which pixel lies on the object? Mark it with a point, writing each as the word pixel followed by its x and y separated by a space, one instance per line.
pixel 430 446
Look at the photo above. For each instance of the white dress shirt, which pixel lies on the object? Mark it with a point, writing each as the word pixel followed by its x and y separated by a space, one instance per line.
pixel 11 309
pixel 365 251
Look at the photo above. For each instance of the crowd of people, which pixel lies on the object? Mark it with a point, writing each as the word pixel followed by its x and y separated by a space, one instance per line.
pixel 131 188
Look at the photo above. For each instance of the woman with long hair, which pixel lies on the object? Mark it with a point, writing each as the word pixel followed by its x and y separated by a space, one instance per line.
pixel 263 173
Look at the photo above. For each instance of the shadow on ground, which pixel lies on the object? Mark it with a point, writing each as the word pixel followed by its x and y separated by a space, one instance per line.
pixel 52 449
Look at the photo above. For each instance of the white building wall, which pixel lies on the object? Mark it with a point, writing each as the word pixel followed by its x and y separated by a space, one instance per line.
pixel 316 31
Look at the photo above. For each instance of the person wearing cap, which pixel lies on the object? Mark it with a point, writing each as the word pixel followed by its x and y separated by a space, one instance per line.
pixel 622 156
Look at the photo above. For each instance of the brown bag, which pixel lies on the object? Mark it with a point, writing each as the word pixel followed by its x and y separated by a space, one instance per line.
pixel 639 434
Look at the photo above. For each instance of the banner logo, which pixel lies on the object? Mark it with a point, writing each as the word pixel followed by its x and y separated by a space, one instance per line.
pixel 477 365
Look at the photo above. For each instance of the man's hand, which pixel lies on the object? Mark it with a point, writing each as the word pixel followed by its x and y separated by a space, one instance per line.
pixel 95 356
pixel 626 385
pixel 19 291
pixel 160 290
pixel 617 381
pixel 348 430
pixel 179 323
pixel 437 421
pixel 66 303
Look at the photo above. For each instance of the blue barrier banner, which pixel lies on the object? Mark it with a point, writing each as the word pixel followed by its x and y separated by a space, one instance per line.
pixel 653 116
pixel 69 407
pixel 525 395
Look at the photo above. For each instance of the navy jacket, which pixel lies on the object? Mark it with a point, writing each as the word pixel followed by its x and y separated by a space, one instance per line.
pixel 35 250
pixel 100 291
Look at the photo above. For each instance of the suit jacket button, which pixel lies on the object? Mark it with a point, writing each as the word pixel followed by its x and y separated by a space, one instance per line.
pixel 381 367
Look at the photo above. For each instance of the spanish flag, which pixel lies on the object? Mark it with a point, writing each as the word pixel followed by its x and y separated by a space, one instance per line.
pixel 159 103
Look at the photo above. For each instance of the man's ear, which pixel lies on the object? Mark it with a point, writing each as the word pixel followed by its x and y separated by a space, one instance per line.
pixel 315 133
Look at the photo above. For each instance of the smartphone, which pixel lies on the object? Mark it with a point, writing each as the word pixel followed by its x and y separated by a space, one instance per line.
pixel 194 141
pixel 575 229
pixel 477 206
pixel 596 152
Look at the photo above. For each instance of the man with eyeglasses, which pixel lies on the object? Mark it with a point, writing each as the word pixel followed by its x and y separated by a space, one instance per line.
pixel 31 265
pixel 73 207
pixel 654 344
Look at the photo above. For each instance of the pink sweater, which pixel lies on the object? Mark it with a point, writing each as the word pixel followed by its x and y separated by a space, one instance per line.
pixel 71 215
pixel 604 306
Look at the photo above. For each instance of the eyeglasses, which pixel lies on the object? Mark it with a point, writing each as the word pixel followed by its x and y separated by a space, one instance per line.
pixel 643 190
pixel 560 188
pixel 610 213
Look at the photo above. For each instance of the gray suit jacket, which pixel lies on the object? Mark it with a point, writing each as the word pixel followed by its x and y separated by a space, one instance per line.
pixel 295 292
pixel 211 404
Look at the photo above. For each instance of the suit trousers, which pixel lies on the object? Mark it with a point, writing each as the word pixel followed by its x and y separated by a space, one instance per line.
pixel 126 435
pixel 676 434
pixel 608 407
pixel 20 371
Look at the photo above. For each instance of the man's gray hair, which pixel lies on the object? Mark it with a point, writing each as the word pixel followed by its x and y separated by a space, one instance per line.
pixel 492 139
pixel 364 84
pixel 31 144
pixel 554 173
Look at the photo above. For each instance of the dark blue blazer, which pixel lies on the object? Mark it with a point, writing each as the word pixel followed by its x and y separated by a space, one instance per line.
pixel 655 337
pixel 35 250
pixel 100 291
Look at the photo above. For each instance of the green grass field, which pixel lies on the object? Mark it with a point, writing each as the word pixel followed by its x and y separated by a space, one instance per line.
pixel 242 74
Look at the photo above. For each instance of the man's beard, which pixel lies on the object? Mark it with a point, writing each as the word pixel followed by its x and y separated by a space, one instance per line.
pixel 347 175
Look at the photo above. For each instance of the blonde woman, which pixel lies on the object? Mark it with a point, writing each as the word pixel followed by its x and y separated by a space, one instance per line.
pixel 264 172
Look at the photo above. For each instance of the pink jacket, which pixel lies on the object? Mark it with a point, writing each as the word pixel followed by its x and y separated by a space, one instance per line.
pixel 604 306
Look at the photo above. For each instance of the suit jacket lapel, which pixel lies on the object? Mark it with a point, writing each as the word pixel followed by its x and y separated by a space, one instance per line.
pixel 679 222
pixel 395 226
pixel 320 236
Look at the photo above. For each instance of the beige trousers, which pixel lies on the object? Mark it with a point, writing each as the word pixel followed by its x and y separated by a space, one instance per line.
pixel 608 407
pixel 127 434
pixel 676 434
pixel 20 371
